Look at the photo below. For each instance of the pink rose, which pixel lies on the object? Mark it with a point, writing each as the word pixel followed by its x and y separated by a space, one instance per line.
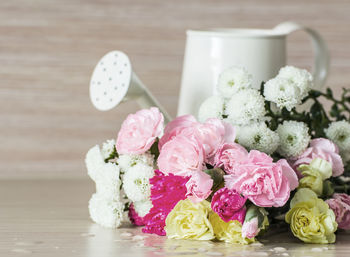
pixel 199 187
pixel 229 205
pixel 229 156
pixel 181 156
pixel 340 204
pixel 262 181
pixel 250 228
pixel 134 217
pixel 175 127
pixel 324 149
pixel 139 131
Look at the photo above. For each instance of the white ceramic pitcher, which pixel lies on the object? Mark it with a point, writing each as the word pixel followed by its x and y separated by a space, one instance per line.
pixel 262 52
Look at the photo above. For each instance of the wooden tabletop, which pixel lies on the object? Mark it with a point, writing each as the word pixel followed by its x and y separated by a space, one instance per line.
pixel 50 218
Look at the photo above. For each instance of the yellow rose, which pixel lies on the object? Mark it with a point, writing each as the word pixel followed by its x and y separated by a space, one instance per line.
pixel 189 221
pixel 314 174
pixel 230 232
pixel 310 218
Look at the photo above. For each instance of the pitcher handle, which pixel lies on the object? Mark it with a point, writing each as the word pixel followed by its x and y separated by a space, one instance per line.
pixel 321 54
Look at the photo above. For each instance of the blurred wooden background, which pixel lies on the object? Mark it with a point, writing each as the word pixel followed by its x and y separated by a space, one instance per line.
pixel 48 49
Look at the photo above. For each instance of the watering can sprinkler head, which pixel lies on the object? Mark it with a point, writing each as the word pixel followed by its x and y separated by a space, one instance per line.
pixel 113 81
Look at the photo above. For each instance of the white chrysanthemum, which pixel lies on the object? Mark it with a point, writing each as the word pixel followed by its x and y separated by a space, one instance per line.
pixel 127 161
pixel 245 106
pixel 339 133
pixel 258 136
pixel 106 212
pixel 212 107
pixel 108 148
pixel 136 182
pixel 142 208
pixel 94 161
pixel 105 175
pixel 300 77
pixel 294 138
pixel 283 92
pixel 232 80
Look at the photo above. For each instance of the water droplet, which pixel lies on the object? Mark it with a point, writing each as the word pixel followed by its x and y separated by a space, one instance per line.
pixel 279 249
pixel 137 237
pixel 126 234
pixel 316 249
pixel 18 250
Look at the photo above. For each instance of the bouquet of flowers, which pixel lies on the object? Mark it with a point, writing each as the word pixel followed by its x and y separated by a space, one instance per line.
pixel 253 159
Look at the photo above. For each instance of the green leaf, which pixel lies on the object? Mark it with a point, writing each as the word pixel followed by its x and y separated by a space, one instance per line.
pixel 217 175
pixel 262 86
pixel 154 149
pixel 328 188
pixel 329 92
pixel 314 93
pixel 334 112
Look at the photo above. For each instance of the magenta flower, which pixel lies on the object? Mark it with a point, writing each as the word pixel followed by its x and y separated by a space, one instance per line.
pixel 134 217
pixel 229 205
pixel 155 221
pixel 340 204
pixel 166 192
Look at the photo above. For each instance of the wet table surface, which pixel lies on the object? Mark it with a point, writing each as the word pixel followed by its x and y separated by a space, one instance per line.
pixel 50 218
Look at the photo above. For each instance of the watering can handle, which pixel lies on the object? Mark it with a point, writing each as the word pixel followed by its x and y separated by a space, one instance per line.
pixel 321 54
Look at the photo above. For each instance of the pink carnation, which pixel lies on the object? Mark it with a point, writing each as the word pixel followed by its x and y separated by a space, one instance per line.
pixel 340 204
pixel 139 131
pixel 262 181
pixel 250 228
pixel 175 127
pixel 210 135
pixel 324 149
pixel 166 192
pixel 134 217
pixel 229 156
pixel 181 156
pixel 229 205
pixel 199 186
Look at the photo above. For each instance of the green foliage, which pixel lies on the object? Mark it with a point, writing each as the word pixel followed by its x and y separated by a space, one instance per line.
pixel 154 149
pixel 316 117
pixel 114 155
